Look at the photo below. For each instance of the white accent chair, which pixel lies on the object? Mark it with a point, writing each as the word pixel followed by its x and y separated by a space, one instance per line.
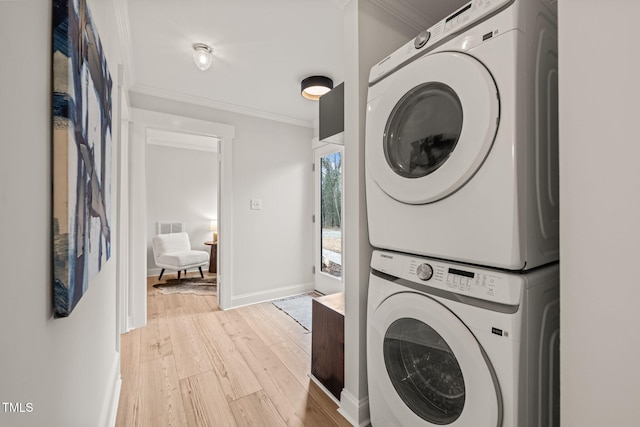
pixel 173 251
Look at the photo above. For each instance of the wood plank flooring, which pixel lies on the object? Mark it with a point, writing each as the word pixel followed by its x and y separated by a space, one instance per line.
pixel 195 365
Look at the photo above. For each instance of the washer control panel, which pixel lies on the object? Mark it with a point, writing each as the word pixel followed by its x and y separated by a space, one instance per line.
pixel 476 282
pixel 466 16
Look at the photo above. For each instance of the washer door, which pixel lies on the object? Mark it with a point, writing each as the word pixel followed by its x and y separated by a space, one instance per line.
pixel 437 368
pixel 432 127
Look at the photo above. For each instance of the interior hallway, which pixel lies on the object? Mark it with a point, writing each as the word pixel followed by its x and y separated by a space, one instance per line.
pixel 195 365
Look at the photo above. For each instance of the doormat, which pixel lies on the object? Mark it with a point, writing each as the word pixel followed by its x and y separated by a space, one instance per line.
pixel 192 285
pixel 298 308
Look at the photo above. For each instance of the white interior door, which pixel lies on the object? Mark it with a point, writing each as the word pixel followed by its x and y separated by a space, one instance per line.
pixel 328 161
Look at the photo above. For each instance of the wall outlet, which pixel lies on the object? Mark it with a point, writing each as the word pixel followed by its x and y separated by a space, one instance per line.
pixel 256 204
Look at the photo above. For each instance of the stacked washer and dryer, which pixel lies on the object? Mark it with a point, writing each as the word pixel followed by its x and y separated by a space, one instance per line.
pixel 462 204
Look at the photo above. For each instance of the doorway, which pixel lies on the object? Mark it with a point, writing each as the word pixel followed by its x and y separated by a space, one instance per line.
pixel 328 233
pixel 141 121
pixel 182 189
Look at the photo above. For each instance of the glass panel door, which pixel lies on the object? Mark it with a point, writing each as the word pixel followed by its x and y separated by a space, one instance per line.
pixel 424 371
pixel 423 130
pixel 328 219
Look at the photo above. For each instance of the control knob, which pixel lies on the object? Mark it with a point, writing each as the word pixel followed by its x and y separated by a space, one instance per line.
pixel 421 39
pixel 424 272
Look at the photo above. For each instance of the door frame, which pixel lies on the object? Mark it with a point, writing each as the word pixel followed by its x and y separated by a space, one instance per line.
pixel 142 120
pixel 324 282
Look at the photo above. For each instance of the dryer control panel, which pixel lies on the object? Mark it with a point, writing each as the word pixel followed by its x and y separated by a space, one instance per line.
pixel 475 282
pixel 465 17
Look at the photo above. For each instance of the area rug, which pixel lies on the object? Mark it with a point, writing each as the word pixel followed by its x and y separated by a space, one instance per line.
pixel 191 285
pixel 298 308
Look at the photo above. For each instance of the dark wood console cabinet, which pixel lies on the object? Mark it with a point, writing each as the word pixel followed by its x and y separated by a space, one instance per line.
pixel 327 342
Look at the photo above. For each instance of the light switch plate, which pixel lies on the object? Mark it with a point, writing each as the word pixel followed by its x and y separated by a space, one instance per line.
pixel 256 204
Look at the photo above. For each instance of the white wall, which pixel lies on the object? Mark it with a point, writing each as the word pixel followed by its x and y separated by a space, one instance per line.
pixel 273 246
pixel 182 186
pixel 67 368
pixel 272 250
pixel 370 34
pixel 599 212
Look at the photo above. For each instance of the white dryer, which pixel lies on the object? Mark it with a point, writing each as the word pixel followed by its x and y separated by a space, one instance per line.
pixel 462 139
pixel 449 344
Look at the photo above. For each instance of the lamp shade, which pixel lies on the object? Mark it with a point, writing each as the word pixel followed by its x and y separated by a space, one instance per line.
pixel 214 227
pixel 202 56
pixel 315 86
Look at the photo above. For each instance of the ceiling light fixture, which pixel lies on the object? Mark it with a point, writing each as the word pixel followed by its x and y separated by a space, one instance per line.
pixel 315 86
pixel 202 56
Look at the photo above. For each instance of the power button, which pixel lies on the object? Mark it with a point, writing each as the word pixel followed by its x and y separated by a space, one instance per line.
pixel 421 39
pixel 424 271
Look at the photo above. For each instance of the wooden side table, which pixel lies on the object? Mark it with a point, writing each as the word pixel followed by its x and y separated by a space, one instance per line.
pixel 213 258
pixel 327 342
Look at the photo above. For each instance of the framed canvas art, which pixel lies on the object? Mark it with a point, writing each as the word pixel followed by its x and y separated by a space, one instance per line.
pixel 82 159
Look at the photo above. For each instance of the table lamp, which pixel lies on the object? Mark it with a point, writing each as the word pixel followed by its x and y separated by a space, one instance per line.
pixel 214 227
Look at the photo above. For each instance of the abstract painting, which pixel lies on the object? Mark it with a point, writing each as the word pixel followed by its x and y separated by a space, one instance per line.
pixel 81 154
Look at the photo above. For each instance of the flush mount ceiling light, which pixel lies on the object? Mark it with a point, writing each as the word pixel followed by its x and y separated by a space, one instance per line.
pixel 202 56
pixel 315 86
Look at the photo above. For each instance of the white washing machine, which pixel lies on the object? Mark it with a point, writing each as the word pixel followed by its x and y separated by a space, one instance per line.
pixel 449 344
pixel 462 139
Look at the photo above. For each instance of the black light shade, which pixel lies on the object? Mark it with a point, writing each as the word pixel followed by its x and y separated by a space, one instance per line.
pixel 315 86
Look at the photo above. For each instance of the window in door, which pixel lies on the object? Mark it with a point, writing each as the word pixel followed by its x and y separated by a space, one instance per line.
pixel 328 161
pixel 331 213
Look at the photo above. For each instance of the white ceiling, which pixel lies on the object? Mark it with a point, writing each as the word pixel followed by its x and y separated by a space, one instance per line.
pixel 262 49
pixel 420 14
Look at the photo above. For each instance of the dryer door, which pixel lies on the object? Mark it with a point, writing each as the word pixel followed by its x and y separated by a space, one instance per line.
pixel 437 368
pixel 431 127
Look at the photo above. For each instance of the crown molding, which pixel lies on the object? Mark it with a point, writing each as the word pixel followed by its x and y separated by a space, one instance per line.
pixel 204 102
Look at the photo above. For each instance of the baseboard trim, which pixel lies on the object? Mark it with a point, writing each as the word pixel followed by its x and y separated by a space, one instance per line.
pixel 271 294
pixel 112 397
pixel 323 388
pixel 153 272
pixel 353 410
pixel 130 324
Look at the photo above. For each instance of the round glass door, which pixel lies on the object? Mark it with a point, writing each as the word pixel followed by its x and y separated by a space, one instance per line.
pixel 423 130
pixel 424 371
pixel 430 126
pixel 425 367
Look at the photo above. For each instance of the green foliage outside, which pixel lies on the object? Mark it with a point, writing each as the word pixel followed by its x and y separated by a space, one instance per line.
pixel 331 183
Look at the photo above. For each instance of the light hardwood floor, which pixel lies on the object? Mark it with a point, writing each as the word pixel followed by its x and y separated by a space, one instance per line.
pixel 195 365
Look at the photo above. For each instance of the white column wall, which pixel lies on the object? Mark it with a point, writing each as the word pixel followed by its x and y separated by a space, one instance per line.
pixel 599 65
pixel 370 35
